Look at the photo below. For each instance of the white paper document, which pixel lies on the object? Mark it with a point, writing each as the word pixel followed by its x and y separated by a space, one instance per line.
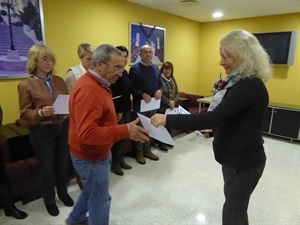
pixel 177 110
pixel 183 110
pixel 119 96
pixel 153 104
pixel 170 111
pixel 61 104
pixel 159 133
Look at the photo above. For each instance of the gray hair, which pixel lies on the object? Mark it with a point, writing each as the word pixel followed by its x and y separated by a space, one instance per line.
pixel 252 58
pixel 104 52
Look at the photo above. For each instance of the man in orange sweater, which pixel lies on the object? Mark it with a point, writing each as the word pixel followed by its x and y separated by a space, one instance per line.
pixel 93 130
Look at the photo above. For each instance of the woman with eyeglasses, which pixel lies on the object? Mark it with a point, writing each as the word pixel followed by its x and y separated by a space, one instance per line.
pixel 48 131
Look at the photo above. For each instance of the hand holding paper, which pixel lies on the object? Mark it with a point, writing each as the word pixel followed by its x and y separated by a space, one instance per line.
pixel 153 104
pixel 177 110
pixel 159 133
pixel 61 104
pixel 137 133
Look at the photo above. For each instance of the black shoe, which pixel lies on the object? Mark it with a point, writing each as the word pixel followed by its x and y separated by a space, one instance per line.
pixel 153 144
pixel 170 146
pixel 67 200
pixel 124 165
pixel 116 169
pixel 18 214
pixel 52 209
pixel 163 147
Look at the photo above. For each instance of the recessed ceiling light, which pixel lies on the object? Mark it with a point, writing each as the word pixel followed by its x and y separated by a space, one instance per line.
pixel 217 14
pixel 189 2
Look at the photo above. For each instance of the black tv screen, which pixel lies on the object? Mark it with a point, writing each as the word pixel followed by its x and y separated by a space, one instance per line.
pixel 279 45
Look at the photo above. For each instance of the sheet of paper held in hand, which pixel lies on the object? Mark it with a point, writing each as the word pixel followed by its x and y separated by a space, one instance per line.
pixel 181 110
pixel 159 133
pixel 177 110
pixel 61 104
pixel 154 104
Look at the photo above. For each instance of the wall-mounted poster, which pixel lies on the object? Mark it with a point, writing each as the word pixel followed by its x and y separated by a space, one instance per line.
pixel 21 26
pixel 141 34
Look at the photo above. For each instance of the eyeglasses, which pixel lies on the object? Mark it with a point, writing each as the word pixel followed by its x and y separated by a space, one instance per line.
pixel 46 60
pixel 118 69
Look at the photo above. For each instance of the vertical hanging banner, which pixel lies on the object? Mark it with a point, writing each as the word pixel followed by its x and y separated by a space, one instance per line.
pixel 141 34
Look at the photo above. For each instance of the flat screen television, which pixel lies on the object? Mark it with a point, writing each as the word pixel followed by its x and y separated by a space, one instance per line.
pixel 281 46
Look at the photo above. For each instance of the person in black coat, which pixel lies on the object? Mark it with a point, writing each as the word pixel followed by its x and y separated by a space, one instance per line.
pixel 121 91
pixel 236 116
pixel 5 193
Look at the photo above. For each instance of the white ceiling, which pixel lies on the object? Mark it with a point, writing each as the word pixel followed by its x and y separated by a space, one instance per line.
pixel 232 9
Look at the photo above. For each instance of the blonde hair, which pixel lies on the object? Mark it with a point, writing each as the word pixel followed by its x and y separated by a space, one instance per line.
pixel 84 48
pixel 36 52
pixel 252 58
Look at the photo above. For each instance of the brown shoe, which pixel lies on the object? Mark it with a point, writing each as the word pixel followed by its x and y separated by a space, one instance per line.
pixel 139 157
pixel 148 154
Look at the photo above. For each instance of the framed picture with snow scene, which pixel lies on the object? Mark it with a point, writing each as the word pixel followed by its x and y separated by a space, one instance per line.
pixel 21 26
pixel 141 34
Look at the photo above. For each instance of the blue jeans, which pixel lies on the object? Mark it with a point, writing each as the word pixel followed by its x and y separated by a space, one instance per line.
pixel 94 197
pixel 50 144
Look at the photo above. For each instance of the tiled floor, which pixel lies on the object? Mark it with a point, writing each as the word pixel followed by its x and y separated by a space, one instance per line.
pixel 185 188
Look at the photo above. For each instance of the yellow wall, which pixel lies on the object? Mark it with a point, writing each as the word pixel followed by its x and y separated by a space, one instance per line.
pixel 191 46
pixel 284 87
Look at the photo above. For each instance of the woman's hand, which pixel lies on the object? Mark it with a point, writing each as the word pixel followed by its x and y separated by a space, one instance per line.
pixel 158 119
pixel 47 111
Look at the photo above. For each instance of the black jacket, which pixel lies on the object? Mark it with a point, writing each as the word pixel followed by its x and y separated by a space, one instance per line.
pixel 237 123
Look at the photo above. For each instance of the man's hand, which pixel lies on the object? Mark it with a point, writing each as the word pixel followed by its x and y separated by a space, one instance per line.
pixel 158 119
pixel 136 132
pixel 158 94
pixel 172 104
pixel 147 98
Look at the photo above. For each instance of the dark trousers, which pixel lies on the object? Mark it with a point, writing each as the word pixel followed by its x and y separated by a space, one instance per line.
pixel 117 149
pixel 140 146
pixel 238 187
pixel 50 144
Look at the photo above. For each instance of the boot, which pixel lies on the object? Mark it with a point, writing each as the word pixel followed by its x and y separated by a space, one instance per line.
pixel 139 157
pixel 14 212
pixel 116 169
pixel 9 208
pixel 124 165
pixel 52 209
pixel 148 154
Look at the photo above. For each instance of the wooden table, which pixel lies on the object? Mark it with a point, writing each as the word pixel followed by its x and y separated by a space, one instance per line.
pixel 7 132
pixel 205 100
pixel 19 130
